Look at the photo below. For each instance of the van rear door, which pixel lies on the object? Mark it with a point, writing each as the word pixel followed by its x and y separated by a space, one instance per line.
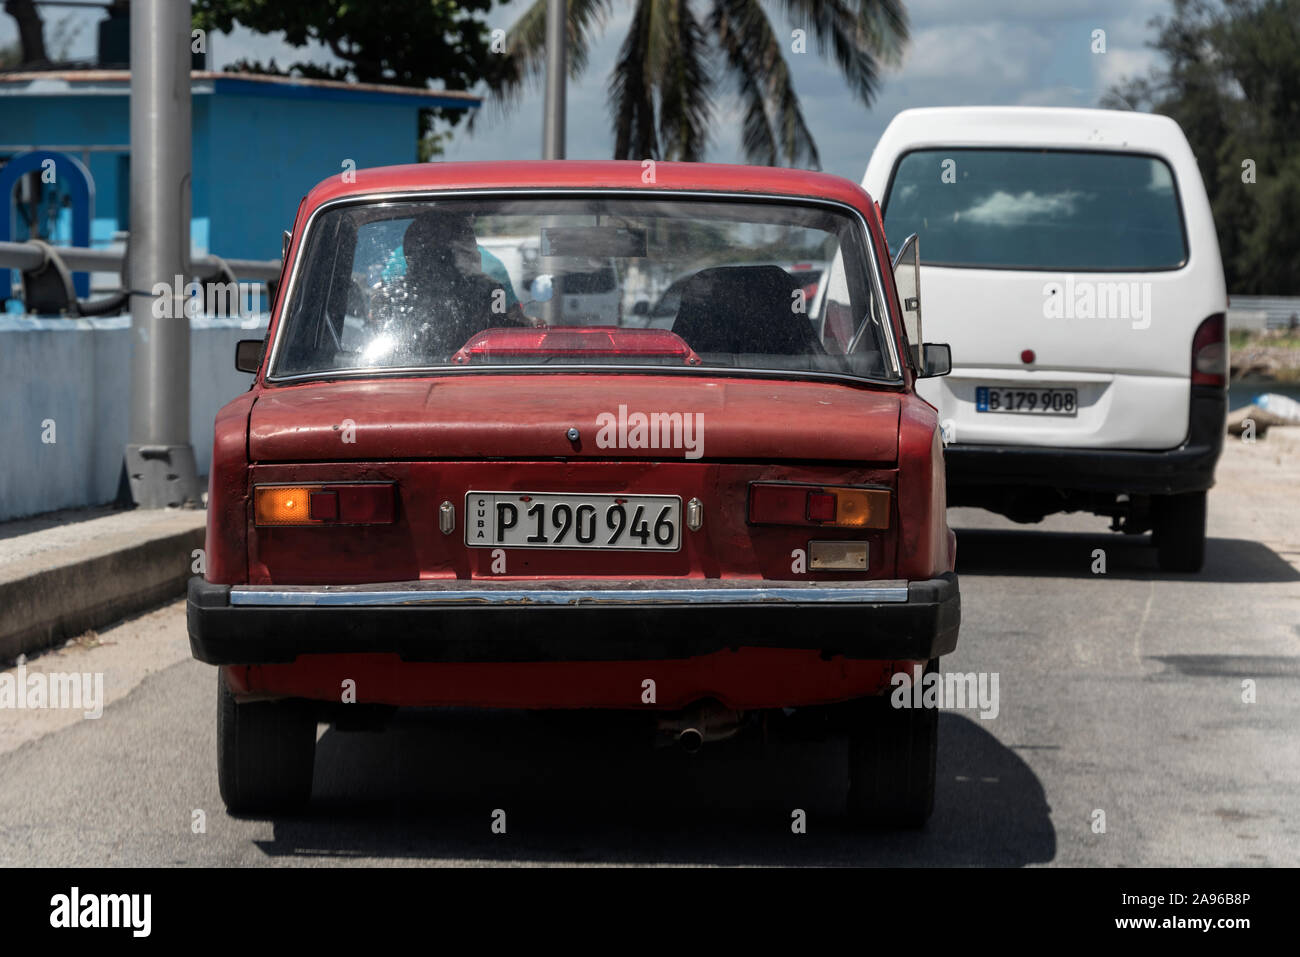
pixel 1063 279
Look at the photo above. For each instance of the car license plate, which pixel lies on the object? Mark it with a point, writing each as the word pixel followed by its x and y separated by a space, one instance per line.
pixel 573 520
pixel 1016 399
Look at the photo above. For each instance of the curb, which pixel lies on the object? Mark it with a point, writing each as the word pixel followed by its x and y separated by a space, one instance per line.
pixel 45 607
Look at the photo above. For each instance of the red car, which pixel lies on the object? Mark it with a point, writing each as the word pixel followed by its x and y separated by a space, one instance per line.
pixel 438 494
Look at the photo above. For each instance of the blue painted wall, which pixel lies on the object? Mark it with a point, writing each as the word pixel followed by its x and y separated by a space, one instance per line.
pixel 258 149
pixel 261 155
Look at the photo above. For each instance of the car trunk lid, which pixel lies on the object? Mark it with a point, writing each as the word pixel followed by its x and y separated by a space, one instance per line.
pixel 620 416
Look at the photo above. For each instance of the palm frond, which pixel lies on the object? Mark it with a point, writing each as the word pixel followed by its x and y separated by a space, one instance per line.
pixel 755 58
pixel 684 82
pixel 631 89
pixel 526 46
pixel 862 35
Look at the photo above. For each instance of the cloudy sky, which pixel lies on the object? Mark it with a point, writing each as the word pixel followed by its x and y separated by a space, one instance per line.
pixel 962 52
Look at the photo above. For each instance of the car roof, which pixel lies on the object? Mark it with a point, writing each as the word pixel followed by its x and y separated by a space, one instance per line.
pixel 1034 126
pixel 588 174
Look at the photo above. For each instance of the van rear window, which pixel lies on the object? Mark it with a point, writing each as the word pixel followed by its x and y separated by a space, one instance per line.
pixel 1037 209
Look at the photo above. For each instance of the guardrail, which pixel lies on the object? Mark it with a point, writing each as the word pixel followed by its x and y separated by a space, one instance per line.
pixel 47 275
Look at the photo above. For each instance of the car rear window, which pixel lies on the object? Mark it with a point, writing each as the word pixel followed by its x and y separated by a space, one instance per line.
pixel 1037 209
pixel 595 280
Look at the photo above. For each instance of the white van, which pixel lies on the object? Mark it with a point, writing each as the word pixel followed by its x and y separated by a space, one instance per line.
pixel 1070 261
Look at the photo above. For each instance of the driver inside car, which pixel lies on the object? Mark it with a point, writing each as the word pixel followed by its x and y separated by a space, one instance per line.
pixel 444 298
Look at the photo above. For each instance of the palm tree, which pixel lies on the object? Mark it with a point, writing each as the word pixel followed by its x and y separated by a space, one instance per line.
pixel 675 54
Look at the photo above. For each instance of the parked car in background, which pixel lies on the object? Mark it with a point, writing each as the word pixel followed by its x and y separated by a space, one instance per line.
pixel 1070 259
pixel 709 524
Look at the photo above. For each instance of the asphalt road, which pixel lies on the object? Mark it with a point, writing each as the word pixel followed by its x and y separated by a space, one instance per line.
pixel 1118 692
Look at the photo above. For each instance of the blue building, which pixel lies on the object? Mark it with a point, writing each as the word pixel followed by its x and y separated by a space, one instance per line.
pixel 259 144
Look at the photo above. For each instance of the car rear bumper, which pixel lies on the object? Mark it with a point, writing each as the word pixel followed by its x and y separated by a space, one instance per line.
pixel 476 621
pixel 1187 468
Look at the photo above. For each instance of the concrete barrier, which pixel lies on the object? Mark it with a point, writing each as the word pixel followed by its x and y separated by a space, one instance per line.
pixel 139 560
pixel 65 399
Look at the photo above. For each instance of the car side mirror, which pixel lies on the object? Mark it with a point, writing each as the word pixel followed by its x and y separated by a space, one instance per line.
pixel 248 354
pixel 907 280
pixel 936 359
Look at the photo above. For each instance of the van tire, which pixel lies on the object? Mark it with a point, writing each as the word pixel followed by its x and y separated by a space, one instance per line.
pixel 1178 531
pixel 892 755
pixel 265 753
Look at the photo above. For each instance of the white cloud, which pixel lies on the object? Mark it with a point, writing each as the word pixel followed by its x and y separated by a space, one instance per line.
pixel 1116 65
pixel 1003 208
pixel 993 54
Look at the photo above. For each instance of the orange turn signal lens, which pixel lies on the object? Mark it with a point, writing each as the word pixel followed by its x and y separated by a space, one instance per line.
pixel 861 507
pixel 284 504
pixel 333 503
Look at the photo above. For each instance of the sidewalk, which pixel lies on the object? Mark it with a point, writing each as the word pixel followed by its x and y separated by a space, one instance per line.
pixel 64 573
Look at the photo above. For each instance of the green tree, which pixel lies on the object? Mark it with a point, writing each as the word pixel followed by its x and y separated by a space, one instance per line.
pixel 676 54
pixel 1232 81
pixel 400 42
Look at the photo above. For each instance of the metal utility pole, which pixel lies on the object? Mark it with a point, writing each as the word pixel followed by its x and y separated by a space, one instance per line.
pixel 159 458
pixel 557 65
pixel 556 74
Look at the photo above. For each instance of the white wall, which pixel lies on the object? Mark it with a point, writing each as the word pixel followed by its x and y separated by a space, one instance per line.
pixel 77 372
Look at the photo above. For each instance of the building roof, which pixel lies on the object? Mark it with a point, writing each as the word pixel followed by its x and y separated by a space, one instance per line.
pixel 579 174
pixel 206 82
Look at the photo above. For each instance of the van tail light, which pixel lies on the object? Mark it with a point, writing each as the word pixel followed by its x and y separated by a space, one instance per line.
pixel 371 503
pixel 827 506
pixel 1210 353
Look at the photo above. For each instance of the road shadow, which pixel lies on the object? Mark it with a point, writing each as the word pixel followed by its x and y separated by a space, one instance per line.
pixel 427 789
pixel 1070 555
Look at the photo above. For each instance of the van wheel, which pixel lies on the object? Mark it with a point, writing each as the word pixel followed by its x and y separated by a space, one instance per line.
pixel 1178 531
pixel 265 753
pixel 892 758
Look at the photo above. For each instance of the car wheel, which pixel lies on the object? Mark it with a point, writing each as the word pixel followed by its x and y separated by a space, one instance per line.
pixel 1178 531
pixel 892 757
pixel 265 753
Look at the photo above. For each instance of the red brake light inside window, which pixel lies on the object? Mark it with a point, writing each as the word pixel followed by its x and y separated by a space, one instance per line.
pixel 594 341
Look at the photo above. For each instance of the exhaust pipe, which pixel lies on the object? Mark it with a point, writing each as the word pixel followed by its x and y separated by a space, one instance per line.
pixel 699 724
pixel 690 740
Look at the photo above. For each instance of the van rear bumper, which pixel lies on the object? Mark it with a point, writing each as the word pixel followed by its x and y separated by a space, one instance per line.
pixel 1187 468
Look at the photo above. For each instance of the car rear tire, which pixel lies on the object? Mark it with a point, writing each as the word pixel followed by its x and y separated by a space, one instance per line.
pixel 892 759
pixel 1178 531
pixel 265 753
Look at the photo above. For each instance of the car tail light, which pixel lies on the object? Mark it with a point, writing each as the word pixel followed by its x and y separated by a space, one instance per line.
pixel 371 503
pixel 1210 353
pixel 823 505
pixel 576 341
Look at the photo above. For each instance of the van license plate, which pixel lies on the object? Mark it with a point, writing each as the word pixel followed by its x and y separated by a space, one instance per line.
pixel 1030 401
